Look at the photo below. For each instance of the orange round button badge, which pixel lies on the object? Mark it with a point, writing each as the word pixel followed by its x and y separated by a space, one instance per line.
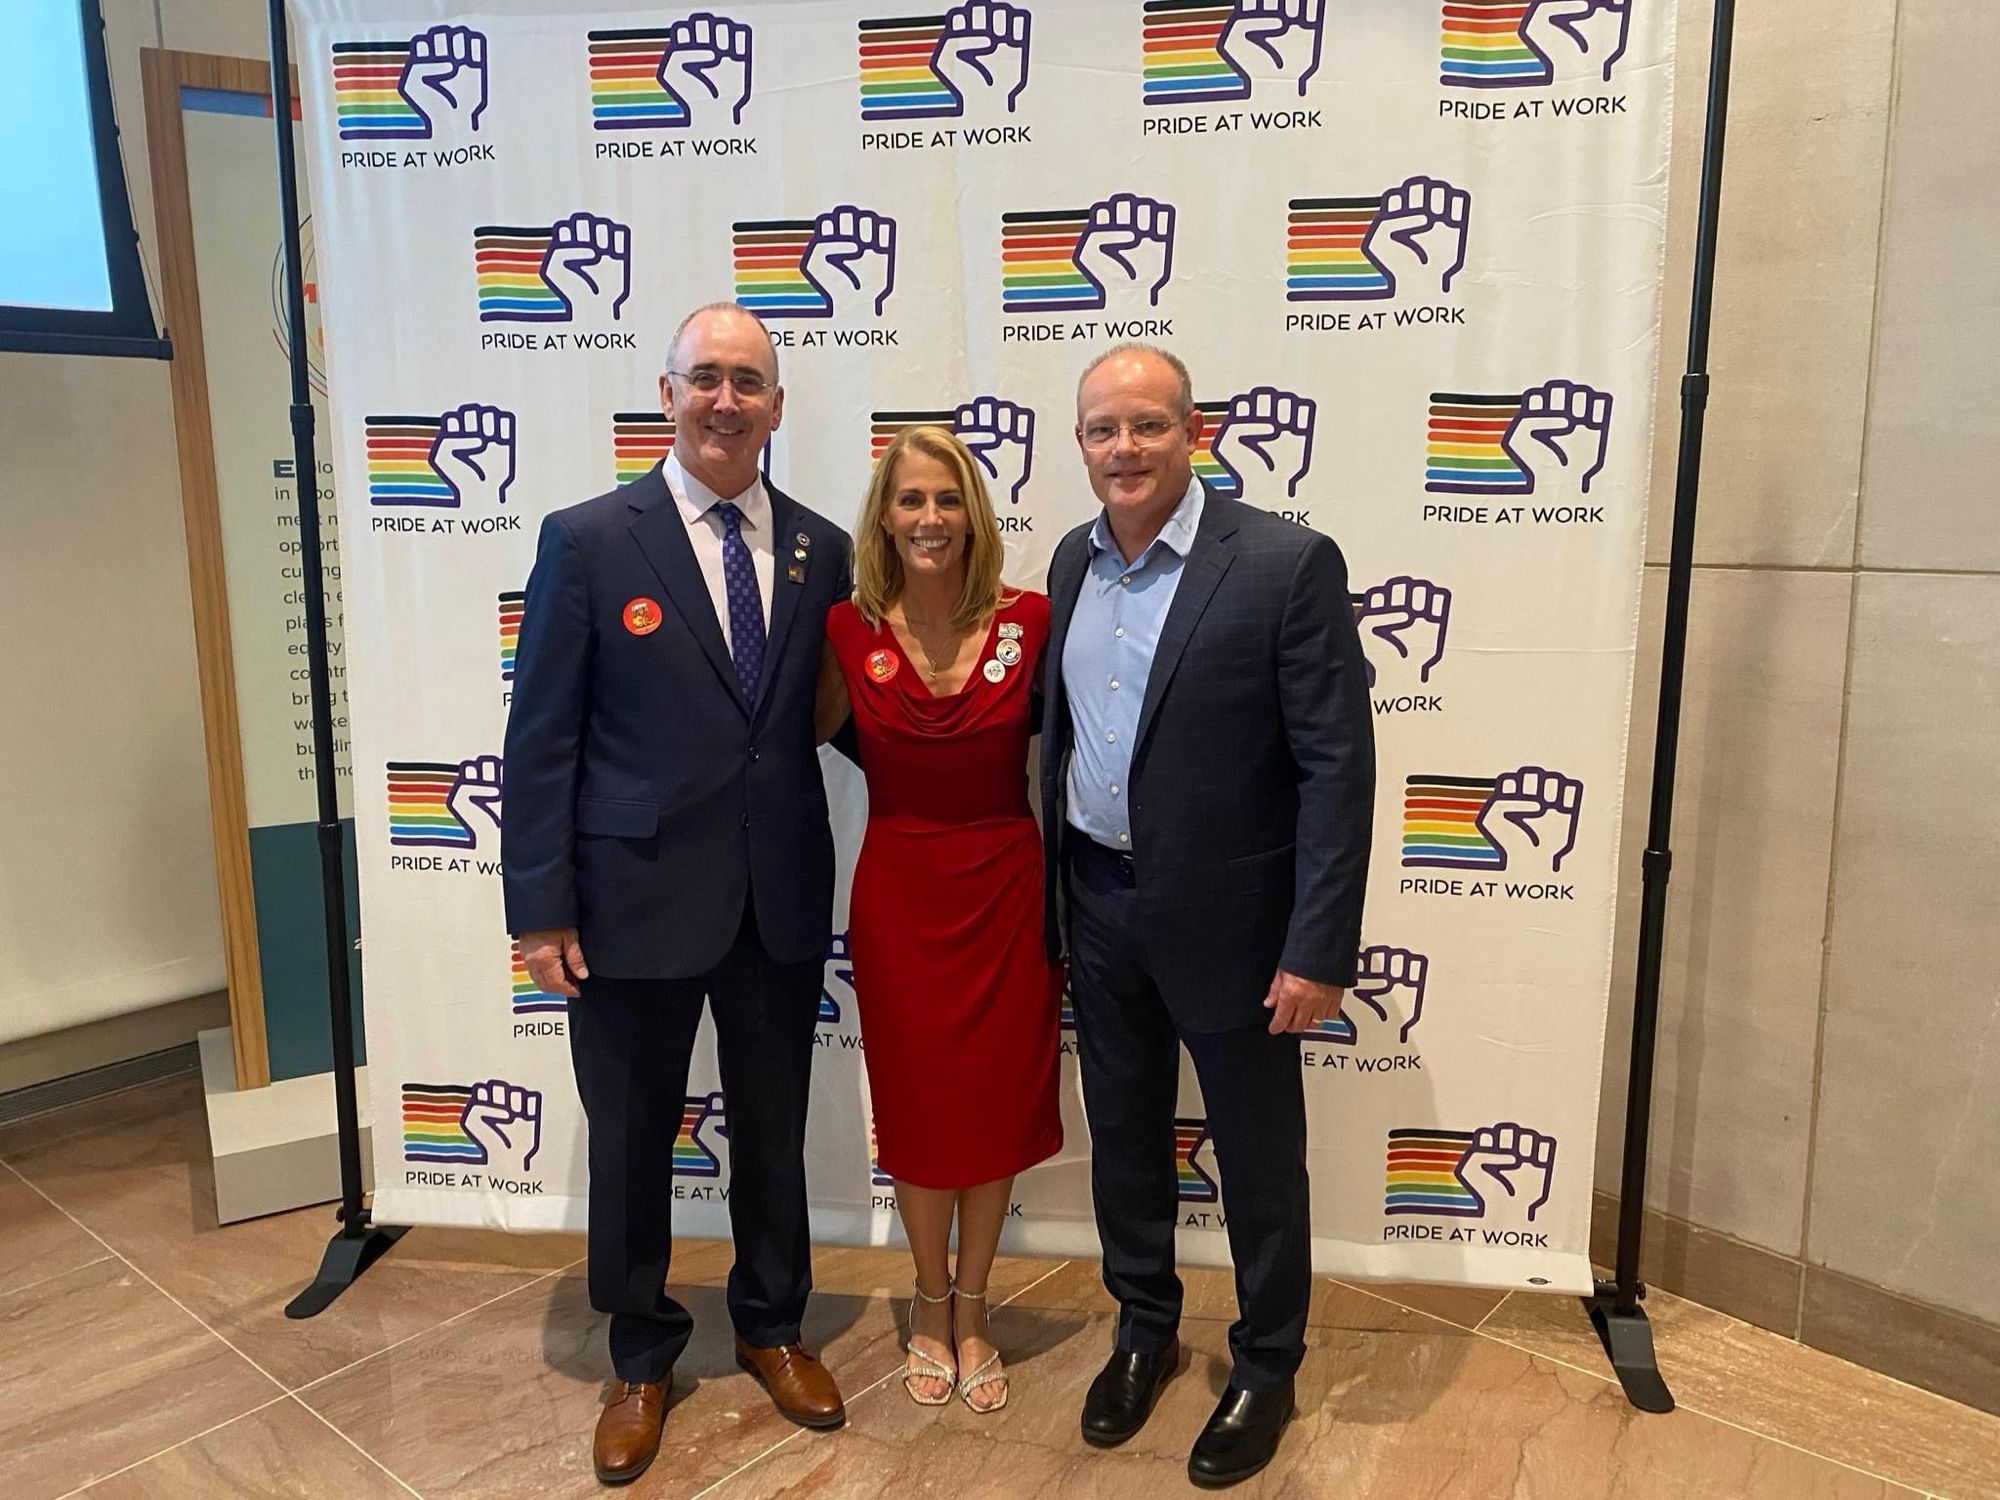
pixel 642 616
pixel 882 665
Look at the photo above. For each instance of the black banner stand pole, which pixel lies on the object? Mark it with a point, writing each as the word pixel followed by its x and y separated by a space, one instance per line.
pixel 358 1244
pixel 1614 1310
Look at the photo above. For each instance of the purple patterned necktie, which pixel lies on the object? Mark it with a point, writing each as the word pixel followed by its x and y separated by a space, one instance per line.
pixel 746 605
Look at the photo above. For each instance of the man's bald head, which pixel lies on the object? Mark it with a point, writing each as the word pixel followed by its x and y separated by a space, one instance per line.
pixel 1141 360
pixel 713 312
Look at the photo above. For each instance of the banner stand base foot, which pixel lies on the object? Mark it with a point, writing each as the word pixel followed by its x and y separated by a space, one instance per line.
pixel 347 1256
pixel 1627 1338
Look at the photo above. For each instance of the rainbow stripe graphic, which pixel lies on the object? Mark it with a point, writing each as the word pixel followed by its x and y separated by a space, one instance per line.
pixel 1483 48
pixel 1196 1186
pixel 368 98
pixel 1464 454
pixel 884 427
pixel 771 269
pixel 434 1123
pixel 511 606
pixel 1441 824
pixel 897 80
pixel 692 1156
pixel 876 1176
pixel 639 439
pixel 1183 57
pixel 399 462
pixel 1067 1020
pixel 507 259
pixel 625 88
pixel 1038 269
pixel 420 815
pixel 1206 465
pixel 529 1000
pixel 1422 1176
pixel 1337 1029
pixel 1323 257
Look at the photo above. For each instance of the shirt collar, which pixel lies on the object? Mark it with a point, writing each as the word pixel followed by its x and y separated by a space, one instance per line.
pixel 1177 536
pixel 696 499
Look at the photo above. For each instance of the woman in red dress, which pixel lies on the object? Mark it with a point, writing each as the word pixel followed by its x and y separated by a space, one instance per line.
pixel 937 662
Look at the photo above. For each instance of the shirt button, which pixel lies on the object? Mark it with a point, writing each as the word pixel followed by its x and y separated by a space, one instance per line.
pixel 1119 632
pixel 1110 737
pixel 1124 838
pixel 1125 580
pixel 1114 788
pixel 1114 684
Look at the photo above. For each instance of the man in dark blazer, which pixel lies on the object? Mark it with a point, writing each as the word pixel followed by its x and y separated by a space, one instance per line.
pixel 665 838
pixel 1207 788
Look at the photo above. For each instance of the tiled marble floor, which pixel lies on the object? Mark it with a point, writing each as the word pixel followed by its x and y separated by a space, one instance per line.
pixel 143 1352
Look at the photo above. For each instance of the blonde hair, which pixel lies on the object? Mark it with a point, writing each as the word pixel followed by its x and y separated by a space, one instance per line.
pixel 878 571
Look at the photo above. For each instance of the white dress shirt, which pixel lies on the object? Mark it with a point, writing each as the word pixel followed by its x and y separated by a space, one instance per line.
pixel 697 504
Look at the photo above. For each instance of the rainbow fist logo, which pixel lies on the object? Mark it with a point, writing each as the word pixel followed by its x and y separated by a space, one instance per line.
pixel 876 1176
pixel 1503 1171
pixel 1550 438
pixel 702 1120
pixel 402 91
pixel 843 261
pixel 431 802
pixel 1402 621
pixel 1525 820
pixel 670 77
pixel 578 267
pixel 1074 259
pixel 840 975
pixel 529 998
pixel 491 1124
pixel 1384 1005
pixel 999 433
pixel 1502 44
pixel 639 439
pixel 930 67
pixel 1196 1185
pixel 512 604
pixel 1408 240
pixel 465 456
pixel 1257 446
pixel 1207 51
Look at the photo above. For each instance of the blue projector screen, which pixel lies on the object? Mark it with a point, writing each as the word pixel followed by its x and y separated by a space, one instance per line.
pixel 69 274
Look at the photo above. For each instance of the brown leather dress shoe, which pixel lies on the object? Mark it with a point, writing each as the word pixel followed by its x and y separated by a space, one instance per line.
pixel 628 1430
pixel 800 1386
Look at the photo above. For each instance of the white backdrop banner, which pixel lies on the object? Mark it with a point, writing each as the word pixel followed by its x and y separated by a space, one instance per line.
pixel 1412 251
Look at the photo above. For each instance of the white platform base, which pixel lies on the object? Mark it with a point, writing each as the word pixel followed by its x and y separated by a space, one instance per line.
pixel 276 1148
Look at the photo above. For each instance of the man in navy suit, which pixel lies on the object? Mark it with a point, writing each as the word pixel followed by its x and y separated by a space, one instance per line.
pixel 1208 775
pixel 665 838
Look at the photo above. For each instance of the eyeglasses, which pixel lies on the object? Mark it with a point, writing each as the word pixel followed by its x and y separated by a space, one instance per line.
pixel 1145 432
pixel 747 384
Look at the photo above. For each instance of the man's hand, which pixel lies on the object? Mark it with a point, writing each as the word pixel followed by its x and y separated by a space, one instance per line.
pixel 555 960
pixel 1300 1004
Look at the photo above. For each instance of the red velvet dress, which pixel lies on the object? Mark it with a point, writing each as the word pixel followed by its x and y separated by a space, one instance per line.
pixel 959 1004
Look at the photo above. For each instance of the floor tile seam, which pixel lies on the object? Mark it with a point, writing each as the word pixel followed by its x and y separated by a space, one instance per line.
pixel 353 1364
pixel 29 1286
pixel 1405 1307
pixel 81 1130
pixel 1711 1416
pixel 330 1427
pixel 113 1251
pixel 873 1385
pixel 91 1484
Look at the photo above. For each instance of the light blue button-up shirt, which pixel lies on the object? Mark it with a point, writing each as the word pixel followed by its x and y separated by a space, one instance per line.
pixel 1107 658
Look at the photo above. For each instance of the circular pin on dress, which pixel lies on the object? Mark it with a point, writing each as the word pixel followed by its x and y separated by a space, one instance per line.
pixel 1008 653
pixel 882 665
pixel 994 671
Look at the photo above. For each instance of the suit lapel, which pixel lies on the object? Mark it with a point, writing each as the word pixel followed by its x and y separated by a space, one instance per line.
pixel 662 537
pixel 1207 561
pixel 788 537
pixel 1065 585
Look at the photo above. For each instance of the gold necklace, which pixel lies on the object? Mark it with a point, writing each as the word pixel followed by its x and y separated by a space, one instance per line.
pixel 935 666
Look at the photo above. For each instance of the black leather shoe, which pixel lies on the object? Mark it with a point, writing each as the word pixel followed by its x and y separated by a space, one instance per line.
pixel 1241 1437
pixel 1123 1394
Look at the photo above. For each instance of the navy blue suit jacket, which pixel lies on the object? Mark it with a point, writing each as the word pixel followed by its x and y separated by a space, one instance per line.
pixel 1253 777
pixel 646 799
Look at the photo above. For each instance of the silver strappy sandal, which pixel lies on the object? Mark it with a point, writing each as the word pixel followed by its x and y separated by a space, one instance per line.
pixel 989 1371
pixel 922 1366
